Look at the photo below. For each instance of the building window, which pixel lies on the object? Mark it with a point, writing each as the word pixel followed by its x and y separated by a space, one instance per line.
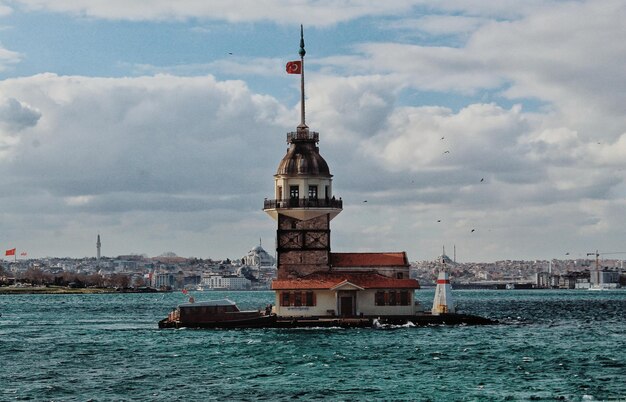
pixel 310 299
pixel 280 193
pixel 312 192
pixel 380 298
pixel 297 300
pixel 294 192
pixel 405 299
pixel 284 300
pixel 399 275
pixel 393 299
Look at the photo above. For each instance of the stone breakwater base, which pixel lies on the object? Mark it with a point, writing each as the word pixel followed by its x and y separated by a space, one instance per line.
pixel 374 322
pixel 419 320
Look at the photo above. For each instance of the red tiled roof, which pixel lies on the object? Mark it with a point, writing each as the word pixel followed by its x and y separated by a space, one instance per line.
pixel 369 259
pixel 328 280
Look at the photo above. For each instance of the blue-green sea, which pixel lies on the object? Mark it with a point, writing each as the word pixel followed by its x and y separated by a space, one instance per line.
pixel 550 345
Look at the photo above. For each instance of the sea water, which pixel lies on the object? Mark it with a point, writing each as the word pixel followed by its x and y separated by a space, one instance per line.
pixel 563 345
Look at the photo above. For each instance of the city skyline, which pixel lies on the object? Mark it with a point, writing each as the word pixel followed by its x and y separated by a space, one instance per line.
pixel 497 128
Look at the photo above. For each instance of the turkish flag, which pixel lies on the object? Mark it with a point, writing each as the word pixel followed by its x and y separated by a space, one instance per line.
pixel 294 67
pixel 10 252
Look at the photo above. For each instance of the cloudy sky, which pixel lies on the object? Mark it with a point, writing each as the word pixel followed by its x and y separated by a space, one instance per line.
pixel 500 129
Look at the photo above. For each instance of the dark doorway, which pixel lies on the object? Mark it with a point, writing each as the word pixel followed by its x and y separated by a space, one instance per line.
pixel 346 306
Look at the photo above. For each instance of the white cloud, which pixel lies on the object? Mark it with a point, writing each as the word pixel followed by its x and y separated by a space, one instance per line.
pixel 120 133
pixel 312 12
pixel 437 24
pixel 8 58
pixel 186 160
pixel 164 145
pixel 5 9
pixel 234 66
pixel 16 116
pixel 481 137
pixel 319 12
pixel 520 178
pixel 567 55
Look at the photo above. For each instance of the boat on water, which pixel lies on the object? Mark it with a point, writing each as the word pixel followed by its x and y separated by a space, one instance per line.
pixel 222 313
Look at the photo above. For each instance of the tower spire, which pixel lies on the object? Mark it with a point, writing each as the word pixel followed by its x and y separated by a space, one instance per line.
pixel 302 52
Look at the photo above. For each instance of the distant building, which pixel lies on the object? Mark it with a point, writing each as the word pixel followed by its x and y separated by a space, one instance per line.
pixel 161 280
pixel 542 280
pixel 258 257
pixel 604 279
pixel 219 282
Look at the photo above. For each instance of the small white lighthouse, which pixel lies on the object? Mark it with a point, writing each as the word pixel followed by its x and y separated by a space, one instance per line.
pixel 443 294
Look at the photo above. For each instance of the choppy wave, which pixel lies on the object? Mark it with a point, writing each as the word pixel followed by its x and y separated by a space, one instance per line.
pixel 552 345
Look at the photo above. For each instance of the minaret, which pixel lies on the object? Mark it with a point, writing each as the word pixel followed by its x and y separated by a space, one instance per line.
pixel 98 245
pixel 303 203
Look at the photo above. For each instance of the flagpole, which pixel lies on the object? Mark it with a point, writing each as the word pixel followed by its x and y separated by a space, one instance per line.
pixel 302 52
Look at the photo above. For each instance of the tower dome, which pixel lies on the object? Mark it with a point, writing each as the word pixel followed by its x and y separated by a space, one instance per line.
pixel 303 159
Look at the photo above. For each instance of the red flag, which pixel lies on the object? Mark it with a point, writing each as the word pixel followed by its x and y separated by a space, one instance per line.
pixel 294 67
pixel 10 252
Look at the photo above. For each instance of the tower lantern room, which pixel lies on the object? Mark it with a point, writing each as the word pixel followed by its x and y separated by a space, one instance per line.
pixel 303 183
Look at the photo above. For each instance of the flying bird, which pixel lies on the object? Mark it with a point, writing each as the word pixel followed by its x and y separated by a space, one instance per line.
pixel 230 53
pixel 443 138
pixel 365 201
pixel 473 230
pixel 482 180
pixel 446 152
pixel 438 220
pixel 566 253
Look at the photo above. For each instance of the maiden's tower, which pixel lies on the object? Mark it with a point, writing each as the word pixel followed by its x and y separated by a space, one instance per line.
pixel 311 280
pixel 315 286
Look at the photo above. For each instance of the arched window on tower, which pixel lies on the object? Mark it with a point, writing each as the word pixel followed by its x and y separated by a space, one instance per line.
pixel 294 192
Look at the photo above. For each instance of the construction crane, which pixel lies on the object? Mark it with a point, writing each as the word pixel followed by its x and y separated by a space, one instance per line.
pixel 598 254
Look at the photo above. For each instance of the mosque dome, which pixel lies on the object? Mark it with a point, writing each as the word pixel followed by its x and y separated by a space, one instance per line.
pixel 258 257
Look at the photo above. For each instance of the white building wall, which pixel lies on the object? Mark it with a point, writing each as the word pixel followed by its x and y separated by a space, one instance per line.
pixel 225 282
pixel 303 184
pixel 326 301
pixel 366 304
pixel 162 280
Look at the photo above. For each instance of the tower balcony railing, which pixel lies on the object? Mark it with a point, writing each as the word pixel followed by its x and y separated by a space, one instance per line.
pixel 303 135
pixel 304 203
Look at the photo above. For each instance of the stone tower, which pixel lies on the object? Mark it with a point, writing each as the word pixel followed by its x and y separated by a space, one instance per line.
pixel 303 203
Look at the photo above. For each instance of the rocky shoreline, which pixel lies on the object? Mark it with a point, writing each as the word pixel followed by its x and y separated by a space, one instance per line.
pixel 12 290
